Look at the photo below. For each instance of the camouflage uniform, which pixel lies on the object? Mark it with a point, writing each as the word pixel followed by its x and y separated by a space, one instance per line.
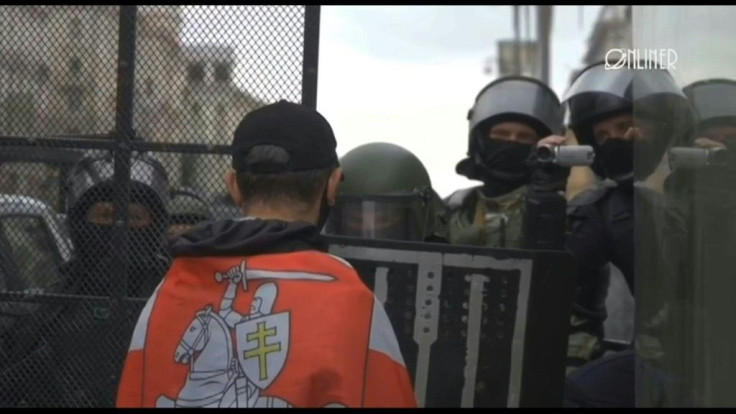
pixel 478 220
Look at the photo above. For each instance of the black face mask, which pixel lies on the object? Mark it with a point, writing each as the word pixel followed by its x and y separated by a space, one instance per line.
pixel 504 164
pixel 95 252
pixel 616 157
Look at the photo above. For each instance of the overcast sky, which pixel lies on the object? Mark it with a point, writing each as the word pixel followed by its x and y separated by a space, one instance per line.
pixel 408 75
pixel 705 50
pixel 400 74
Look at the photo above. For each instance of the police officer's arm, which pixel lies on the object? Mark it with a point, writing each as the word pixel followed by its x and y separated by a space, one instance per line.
pixel 587 237
pixel 543 224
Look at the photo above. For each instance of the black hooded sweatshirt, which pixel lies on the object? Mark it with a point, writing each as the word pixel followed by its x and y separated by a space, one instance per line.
pixel 247 237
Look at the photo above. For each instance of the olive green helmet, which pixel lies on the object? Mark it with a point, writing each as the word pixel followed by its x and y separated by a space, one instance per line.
pixel 386 194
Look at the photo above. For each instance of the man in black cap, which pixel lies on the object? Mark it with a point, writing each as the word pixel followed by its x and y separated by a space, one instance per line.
pixel 253 312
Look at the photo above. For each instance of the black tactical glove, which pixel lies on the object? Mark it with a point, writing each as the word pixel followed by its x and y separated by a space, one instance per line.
pixel 543 224
pixel 546 176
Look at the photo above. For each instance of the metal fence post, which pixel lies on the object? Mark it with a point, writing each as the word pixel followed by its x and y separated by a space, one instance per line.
pixel 122 152
pixel 311 56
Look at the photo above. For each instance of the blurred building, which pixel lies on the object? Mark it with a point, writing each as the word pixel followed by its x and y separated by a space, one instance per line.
pixel 214 106
pixel 611 30
pixel 528 58
pixel 58 75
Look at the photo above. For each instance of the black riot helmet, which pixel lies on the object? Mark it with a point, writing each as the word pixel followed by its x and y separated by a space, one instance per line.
pixel 92 179
pixel 714 102
pixel 508 99
pixel 92 182
pixel 649 95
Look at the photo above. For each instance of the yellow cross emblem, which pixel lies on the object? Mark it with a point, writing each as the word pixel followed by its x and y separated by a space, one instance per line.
pixel 262 349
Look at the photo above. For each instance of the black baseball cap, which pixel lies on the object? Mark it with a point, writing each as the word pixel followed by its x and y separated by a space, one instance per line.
pixel 305 135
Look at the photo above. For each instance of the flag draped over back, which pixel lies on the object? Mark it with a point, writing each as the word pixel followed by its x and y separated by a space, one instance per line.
pixel 293 329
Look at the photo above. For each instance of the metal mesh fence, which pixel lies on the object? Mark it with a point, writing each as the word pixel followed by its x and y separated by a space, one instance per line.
pixel 115 125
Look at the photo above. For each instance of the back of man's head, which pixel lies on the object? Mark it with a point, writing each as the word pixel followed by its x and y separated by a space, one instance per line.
pixel 283 159
pixel 295 189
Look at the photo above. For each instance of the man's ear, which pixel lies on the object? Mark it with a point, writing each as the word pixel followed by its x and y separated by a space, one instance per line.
pixel 232 187
pixel 332 185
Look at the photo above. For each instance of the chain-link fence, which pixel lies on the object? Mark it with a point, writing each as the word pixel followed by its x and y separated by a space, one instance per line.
pixel 103 107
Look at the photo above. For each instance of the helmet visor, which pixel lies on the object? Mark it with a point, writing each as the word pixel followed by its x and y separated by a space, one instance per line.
pixel 713 100
pixel 519 97
pixel 399 217
pixel 624 83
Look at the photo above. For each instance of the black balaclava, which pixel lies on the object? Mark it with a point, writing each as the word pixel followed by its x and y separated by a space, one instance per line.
pixel 501 165
pixel 95 247
pixel 617 159
pixel 614 159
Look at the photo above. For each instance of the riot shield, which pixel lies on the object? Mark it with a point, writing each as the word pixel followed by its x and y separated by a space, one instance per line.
pixel 477 327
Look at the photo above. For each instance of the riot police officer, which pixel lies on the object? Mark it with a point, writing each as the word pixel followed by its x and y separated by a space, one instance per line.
pixel 387 194
pixel 510 116
pixel 630 117
pixel 186 209
pixel 81 335
pixel 714 102
pixel 90 217
pixel 521 202
pixel 701 187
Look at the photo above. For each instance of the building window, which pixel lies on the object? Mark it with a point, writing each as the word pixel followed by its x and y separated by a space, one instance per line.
pixel 76 29
pixel 222 73
pixel 75 66
pixel 42 74
pixel 74 95
pixel 196 72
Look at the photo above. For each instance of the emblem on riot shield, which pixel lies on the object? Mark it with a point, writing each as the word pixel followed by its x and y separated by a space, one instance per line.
pixel 463 319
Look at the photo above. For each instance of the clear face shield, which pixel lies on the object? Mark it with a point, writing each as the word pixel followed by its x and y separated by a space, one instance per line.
pixel 392 217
